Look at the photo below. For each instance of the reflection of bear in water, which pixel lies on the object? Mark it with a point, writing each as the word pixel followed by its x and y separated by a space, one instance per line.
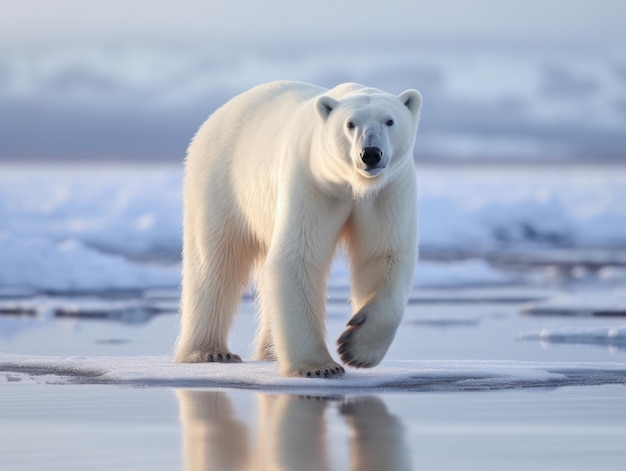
pixel 275 180
pixel 291 434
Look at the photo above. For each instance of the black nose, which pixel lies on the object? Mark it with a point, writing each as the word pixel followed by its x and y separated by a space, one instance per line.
pixel 371 156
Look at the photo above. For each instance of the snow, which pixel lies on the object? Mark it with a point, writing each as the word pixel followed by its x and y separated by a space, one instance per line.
pixel 70 266
pixel 490 207
pixel 123 209
pixel 157 371
pixel 82 229
pixel 72 229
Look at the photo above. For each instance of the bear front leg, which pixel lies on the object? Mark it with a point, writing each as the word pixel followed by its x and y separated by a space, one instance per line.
pixel 369 333
pixel 293 298
pixel 382 246
pixel 293 291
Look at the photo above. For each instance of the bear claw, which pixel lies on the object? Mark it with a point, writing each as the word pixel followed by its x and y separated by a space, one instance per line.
pixel 358 319
pixel 220 357
pixel 334 372
pixel 346 344
pixel 204 356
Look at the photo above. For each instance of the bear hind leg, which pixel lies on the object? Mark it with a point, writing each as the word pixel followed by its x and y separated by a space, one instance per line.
pixel 213 281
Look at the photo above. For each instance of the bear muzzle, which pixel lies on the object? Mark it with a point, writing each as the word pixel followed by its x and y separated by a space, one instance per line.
pixel 371 157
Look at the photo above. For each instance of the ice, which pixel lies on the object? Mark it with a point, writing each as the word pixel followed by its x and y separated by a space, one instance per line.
pixel 446 322
pixel 614 336
pixel 159 371
pixel 460 273
pixel 70 266
pixel 132 210
pixel 76 229
pixel 485 207
pixel 605 303
pixel 591 304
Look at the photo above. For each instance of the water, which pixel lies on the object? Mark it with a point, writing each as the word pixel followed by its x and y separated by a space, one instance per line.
pixel 108 427
pixel 69 426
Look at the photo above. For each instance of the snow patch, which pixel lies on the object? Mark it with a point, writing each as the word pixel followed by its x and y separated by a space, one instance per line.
pixel 70 266
pixel 160 371
pixel 73 229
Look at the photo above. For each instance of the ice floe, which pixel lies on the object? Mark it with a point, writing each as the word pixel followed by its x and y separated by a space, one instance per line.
pixel 614 336
pixel 160 371
pixel 591 304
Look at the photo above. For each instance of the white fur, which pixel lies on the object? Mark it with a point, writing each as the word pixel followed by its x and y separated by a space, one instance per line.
pixel 275 183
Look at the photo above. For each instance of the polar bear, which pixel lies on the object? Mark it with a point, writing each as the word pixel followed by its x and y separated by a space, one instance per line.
pixel 275 181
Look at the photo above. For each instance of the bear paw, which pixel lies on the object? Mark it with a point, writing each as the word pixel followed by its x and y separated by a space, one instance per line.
pixel 330 371
pixel 363 344
pixel 201 356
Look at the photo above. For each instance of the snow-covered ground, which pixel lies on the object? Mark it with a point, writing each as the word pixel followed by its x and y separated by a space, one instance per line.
pixel 97 228
pixel 398 375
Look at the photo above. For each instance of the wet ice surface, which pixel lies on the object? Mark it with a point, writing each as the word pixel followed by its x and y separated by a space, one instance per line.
pixel 95 427
pixel 531 411
pixel 614 335
pixel 438 375
pixel 458 323
pixel 453 338
pixel 88 324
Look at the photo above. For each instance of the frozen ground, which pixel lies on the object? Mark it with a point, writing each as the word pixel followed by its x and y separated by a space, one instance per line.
pixel 460 375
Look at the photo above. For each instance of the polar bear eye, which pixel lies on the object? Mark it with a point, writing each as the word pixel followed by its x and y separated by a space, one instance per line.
pixel 389 122
pixel 350 125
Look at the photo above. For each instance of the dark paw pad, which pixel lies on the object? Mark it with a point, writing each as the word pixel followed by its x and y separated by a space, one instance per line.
pixel 223 357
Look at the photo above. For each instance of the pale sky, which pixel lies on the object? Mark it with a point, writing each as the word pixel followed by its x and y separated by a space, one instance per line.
pixel 561 21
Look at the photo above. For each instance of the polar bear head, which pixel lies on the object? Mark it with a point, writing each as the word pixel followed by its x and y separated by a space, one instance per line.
pixel 371 131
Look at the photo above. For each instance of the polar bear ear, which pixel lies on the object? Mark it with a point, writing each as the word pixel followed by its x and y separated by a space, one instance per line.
pixel 412 100
pixel 325 105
